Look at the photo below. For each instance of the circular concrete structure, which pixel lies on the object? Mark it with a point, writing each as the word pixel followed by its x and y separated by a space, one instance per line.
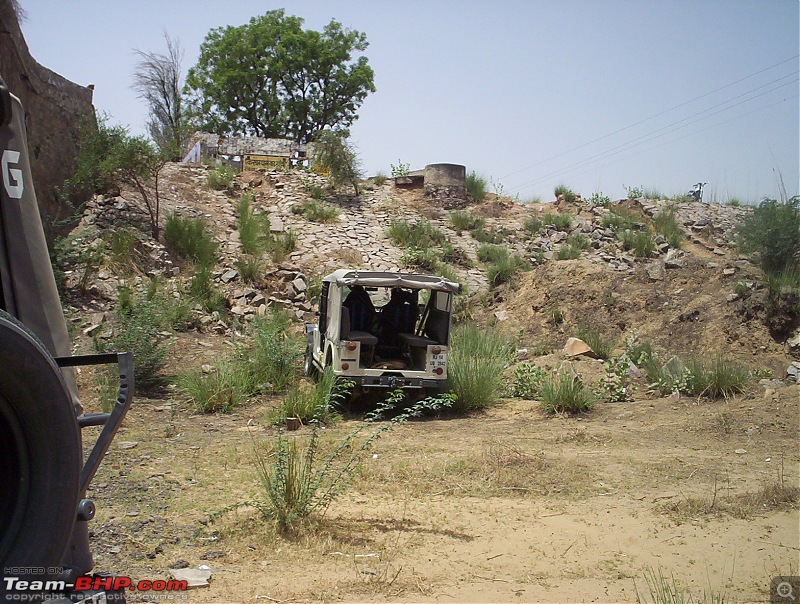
pixel 445 175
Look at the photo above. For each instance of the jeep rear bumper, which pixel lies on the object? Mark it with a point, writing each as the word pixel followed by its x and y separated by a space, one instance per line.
pixel 392 381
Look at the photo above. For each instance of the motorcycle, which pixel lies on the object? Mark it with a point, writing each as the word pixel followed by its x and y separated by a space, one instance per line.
pixel 696 192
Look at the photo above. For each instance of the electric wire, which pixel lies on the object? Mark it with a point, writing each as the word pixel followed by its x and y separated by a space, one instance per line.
pixel 651 117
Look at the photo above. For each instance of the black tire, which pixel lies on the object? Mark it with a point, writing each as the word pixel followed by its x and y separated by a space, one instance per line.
pixel 40 452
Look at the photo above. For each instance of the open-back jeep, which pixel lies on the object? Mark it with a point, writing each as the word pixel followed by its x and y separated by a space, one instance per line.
pixel 383 330
pixel 44 512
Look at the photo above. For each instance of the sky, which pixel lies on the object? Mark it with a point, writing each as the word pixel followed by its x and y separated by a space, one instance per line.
pixel 598 95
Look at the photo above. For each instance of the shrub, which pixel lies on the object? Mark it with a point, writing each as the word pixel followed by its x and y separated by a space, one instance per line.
pixel 220 178
pixel 421 234
pixel 141 324
pixel 400 170
pixel 595 339
pixel 71 253
pixel 567 193
pixel 280 245
pixel 189 239
pixel 533 224
pixel 379 179
pixel 477 359
pixel 462 220
pixel 317 211
pixel 253 228
pixel 124 249
pixel 638 350
pixel 250 268
pixel 634 192
pixel 316 402
pixel 557 221
pixel 333 152
pixel 598 199
pixel 488 236
pixel 219 391
pixel 203 291
pixel 619 218
pixel 721 378
pixel 771 233
pixel 503 269
pixel 527 380
pixel 565 393
pixel 666 224
pixel 272 354
pixel 641 243
pixel 615 383
pixel 476 186
pixel 423 259
pixel 568 252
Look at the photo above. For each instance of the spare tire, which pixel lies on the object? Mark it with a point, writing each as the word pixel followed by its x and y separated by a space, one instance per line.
pixel 40 452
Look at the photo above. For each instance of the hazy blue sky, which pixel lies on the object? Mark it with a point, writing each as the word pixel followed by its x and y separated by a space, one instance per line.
pixel 595 94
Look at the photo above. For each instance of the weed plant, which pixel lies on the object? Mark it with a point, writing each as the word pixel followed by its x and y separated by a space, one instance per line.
pixel 379 179
pixel 204 292
pixel 565 393
pixel 316 402
pixel 250 268
pixel 476 186
pixel 771 234
pixel 533 225
pixel 219 391
pixel 719 379
pixel 527 381
pixel 421 234
pixel 568 252
pixel 488 252
pixel 619 218
pixel 504 269
pixel 488 235
pixel 475 369
pixel 557 221
pixel 299 483
pixel 567 193
pixel 666 224
pixel 273 353
pixel 253 228
pixel 641 243
pixel 220 178
pixel 317 211
pixel 462 220
pixel 596 340
pixel 189 239
pixel 124 249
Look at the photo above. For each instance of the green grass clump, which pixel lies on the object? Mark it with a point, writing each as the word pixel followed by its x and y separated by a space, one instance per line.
pixel 220 178
pixel 666 224
pixel 204 291
pixel 477 359
pixel 272 354
pixel 124 249
pixel 596 340
pixel 476 186
pixel 221 390
pixel 311 402
pixel 619 218
pixel 719 379
pixel 641 243
pixel 502 264
pixel 253 228
pixel 189 239
pixel 421 234
pixel 250 268
pixel 557 221
pixel 572 247
pixel 488 235
pixel 565 393
pixel 317 211
pixel 734 202
pixel 667 590
pixel 533 225
pixel 379 179
pixel 568 194
pixel 427 259
pixel 771 235
pixel 488 252
pixel 280 245
pixel 462 220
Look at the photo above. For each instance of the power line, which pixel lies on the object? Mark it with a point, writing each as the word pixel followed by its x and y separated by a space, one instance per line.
pixel 655 133
pixel 651 117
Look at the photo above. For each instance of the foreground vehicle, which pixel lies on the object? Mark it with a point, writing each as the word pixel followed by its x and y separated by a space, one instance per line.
pixel 383 330
pixel 44 513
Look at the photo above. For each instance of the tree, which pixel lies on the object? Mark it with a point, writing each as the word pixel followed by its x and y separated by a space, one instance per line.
pixel 110 156
pixel 332 151
pixel 157 79
pixel 272 78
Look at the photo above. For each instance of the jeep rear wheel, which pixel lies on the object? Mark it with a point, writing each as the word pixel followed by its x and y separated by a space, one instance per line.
pixel 40 452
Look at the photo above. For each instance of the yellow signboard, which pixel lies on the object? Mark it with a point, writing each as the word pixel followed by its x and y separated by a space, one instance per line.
pixel 264 162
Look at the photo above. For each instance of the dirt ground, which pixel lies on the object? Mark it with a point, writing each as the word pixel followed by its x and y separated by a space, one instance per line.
pixel 509 505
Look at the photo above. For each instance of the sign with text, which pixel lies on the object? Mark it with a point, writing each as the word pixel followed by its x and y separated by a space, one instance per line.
pixel 264 162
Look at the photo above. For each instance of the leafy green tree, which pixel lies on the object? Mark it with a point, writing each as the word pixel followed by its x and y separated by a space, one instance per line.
pixel 772 232
pixel 332 151
pixel 110 156
pixel 272 78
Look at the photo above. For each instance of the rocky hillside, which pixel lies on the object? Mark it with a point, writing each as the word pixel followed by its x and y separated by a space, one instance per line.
pixel 692 296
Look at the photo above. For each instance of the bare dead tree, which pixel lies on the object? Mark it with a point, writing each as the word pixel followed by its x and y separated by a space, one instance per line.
pixel 157 79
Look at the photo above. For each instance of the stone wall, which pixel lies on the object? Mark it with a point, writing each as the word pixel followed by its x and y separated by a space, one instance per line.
pixel 54 107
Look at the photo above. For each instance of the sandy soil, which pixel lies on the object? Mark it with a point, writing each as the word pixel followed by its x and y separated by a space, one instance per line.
pixel 510 505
